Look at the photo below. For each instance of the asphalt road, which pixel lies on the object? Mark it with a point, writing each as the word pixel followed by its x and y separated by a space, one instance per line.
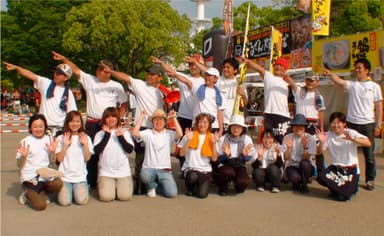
pixel 251 213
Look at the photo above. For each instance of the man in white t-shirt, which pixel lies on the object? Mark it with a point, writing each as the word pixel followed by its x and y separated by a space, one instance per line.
pixel 102 92
pixel 310 103
pixel 276 112
pixel 148 98
pixel 56 97
pixel 229 88
pixel 364 112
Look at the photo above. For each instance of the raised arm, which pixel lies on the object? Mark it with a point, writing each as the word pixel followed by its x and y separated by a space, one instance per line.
pixel 336 79
pixel 136 129
pixel 76 70
pixel 189 59
pixel 23 72
pixel 118 75
pixel 253 65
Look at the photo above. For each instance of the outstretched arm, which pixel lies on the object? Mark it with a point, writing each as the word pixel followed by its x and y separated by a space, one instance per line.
pixel 253 65
pixel 336 79
pixel 118 75
pixel 23 72
pixel 76 70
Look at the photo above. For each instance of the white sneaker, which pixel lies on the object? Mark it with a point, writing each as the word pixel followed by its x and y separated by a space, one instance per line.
pixel 260 189
pixel 275 190
pixel 151 193
pixel 22 199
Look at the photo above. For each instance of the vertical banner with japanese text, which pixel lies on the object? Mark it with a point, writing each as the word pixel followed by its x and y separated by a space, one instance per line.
pixel 276 46
pixel 320 17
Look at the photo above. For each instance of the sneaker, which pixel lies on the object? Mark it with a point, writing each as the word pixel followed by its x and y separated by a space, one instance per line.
pixel 275 190
pixel 260 189
pixel 22 199
pixel 151 193
pixel 370 185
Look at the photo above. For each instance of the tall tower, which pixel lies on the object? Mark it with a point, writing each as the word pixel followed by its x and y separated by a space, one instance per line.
pixel 200 21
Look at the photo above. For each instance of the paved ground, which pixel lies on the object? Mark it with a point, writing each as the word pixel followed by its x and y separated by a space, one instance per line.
pixel 251 213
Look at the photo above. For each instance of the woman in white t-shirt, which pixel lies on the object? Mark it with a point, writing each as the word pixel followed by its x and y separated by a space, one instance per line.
pixel 268 163
pixel 342 176
pixel 74 149
pixel 235 148
pixel 157 171
pixel 33 158
pixel 113 144
pixel 199 148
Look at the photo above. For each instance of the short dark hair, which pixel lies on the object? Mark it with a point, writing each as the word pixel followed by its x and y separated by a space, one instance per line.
pixel 37 117
pixel 201 116
pixel 111 111
pixel 233 62
pixel 337 115
pixel 365 62
pixel 100 65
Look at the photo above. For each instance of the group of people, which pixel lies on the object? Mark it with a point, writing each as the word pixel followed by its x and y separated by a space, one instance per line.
pixel 212 141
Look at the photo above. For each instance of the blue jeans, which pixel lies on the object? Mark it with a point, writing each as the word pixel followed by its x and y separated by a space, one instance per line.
pixel 78 191
pixel 159 177
pixel 370 162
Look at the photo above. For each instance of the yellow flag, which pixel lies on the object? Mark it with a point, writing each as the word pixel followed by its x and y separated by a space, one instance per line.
pixel 320 17
pixel 276 47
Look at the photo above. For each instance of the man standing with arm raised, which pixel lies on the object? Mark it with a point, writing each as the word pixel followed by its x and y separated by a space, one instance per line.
pixel 102 92
pixel 364 114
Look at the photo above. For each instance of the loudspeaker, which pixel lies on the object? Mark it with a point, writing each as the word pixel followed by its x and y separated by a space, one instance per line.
pixel 214 48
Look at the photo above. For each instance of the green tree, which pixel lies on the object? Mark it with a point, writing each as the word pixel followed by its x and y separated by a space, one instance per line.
pixel 352 16
pixel 126 32
pixel 29 31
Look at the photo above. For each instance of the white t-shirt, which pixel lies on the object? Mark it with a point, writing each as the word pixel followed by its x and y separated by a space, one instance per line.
pixel 297 149
pixel 148 98
pixel 269 156
pixel 157 153
pixel 341 151
pixel 101 95
pixel 38 156
pixel 306 105
pixel 276 95
pixel 114 160
pixel 50 107
pixel 187 101
pixel 361 101
pixel 73 165
pixel 208 105
pixel 193 158
pixel 228 90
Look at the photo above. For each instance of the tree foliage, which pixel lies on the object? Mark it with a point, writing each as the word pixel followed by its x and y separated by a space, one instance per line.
pixel 126 32
pixel 29 30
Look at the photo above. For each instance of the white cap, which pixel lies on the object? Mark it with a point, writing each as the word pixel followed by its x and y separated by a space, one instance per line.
pixel 66 69
pixel 213 71
pixel 238 120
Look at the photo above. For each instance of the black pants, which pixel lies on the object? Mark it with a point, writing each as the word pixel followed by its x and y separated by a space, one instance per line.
pixel 197 183
pixel 272 173
pixel 92 165
pixel 238 175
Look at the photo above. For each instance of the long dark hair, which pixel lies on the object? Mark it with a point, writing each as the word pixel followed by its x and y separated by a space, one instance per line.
pixel 37 117
pixel 69 118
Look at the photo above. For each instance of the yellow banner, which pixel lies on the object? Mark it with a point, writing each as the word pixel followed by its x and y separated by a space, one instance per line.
pixel 320 17
pixel 276 47
pixel 339 54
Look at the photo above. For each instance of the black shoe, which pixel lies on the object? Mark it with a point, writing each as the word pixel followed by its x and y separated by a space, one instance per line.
pixel 189 193
pixel 304 188
pixel 221 193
